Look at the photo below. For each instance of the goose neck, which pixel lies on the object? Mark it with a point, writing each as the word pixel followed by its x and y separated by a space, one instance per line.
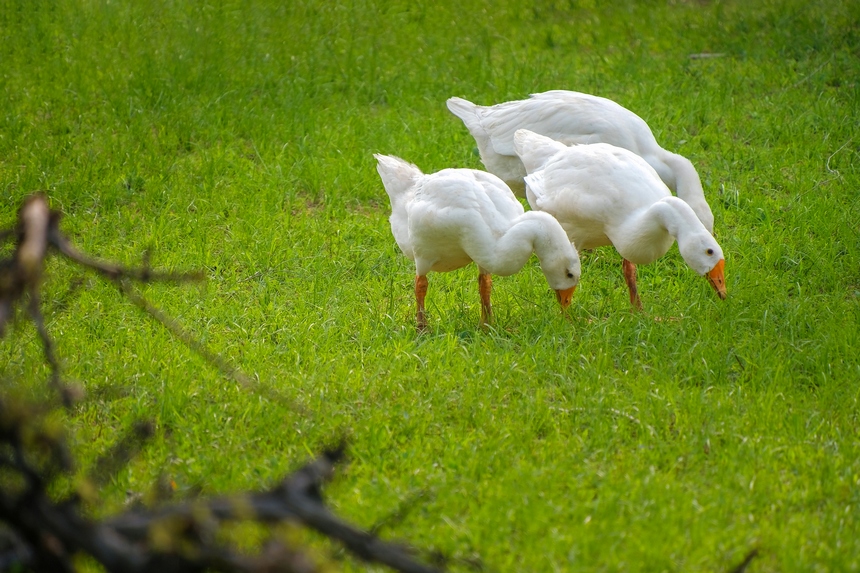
pixel 675 216
pixel 528 233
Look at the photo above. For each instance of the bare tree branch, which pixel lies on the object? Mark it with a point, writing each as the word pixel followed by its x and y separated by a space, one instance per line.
pixel 183 335
pixel 44 535
pixel 114 271
pixel 114 460
pixel 37 229
pixel 742 566
pixel 179 537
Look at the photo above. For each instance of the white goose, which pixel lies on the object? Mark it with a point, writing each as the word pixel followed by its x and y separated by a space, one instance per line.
pixel 573 117
pixel 445 220
pixel 602 195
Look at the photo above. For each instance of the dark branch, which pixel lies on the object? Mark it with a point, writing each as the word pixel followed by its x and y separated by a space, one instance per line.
pixel 183 335
pixel 46 535
pixel 109 464
pixel 197 346
pixel 36 230
pixel 742 566
pixel 114 271
pixel 181 537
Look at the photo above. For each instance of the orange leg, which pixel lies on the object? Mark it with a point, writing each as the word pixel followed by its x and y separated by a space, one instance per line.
pixel 485 285
pixel 420 293
pixel 630 276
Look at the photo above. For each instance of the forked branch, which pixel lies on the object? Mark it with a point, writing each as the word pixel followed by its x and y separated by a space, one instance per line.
pixel 42 534
pixel 36 233
pixel 45 535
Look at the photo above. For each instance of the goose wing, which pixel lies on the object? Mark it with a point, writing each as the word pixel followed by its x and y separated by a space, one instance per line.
pixel 568 117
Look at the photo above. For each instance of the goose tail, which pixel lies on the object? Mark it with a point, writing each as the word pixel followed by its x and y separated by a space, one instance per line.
pixel 467 112
pixel 534 190
pixel 534 150
pixel 398 177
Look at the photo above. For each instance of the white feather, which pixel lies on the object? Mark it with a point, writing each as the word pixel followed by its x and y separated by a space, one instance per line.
pixel 606 195
pixel 446 220
pixel 574 118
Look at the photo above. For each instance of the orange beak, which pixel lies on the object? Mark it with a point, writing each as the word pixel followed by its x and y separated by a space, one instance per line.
pixel 564 296
pixel 718 279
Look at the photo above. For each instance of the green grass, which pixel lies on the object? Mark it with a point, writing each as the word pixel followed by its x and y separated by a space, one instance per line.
pixel 238 137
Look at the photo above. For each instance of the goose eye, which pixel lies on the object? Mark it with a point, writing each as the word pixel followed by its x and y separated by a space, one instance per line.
pixel 569 275
pixel 710 251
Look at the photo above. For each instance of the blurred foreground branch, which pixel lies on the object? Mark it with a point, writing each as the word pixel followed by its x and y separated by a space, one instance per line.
pixel 41 534
pixel 36 232
pixel 44 535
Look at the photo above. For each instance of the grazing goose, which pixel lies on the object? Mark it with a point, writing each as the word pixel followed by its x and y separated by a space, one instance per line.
pixel 444 221
pixel 573 117
pixel 606 195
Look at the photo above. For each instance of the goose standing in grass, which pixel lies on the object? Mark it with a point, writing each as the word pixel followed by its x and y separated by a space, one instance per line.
pixel 573 117
pixel 444 221
pixel 606 195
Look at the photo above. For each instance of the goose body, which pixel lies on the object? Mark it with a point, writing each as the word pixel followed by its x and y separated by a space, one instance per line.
pixel 606 195
pixel 573 117
pixel 446 220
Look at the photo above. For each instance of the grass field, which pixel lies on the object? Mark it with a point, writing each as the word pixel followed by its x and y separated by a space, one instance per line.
pixel 237 137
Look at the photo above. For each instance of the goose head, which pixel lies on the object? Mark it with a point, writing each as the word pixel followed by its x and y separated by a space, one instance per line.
pixel 702 253
pixel 559 260
pixel 562 272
